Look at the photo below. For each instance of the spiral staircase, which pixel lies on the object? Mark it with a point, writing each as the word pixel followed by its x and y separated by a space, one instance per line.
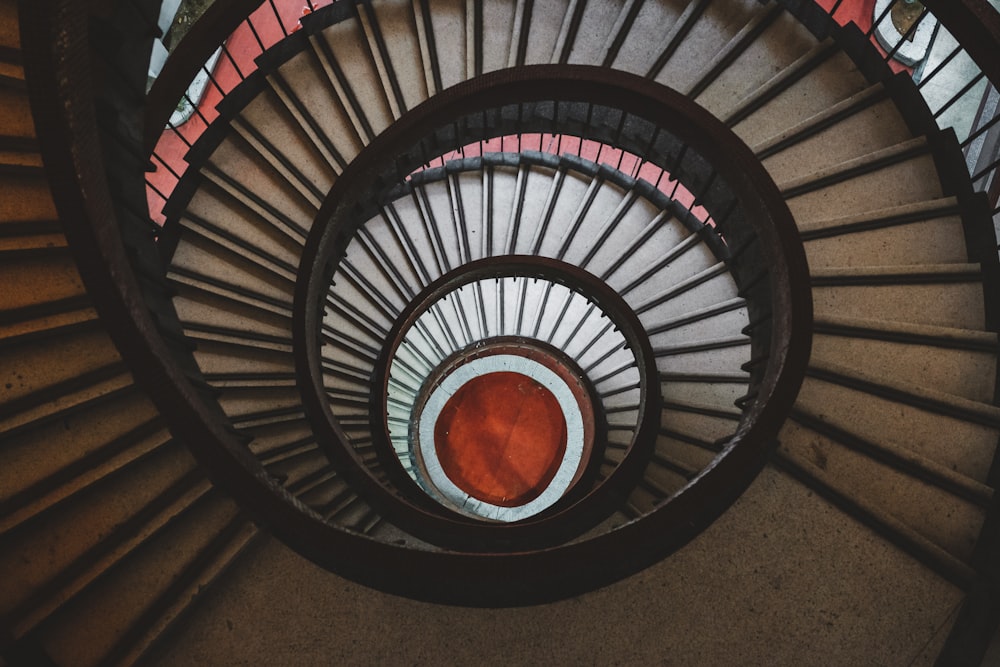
pixel 724 230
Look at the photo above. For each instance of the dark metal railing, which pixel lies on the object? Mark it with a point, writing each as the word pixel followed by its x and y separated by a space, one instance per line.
pixel 113 242
pixel 710 162
pixel 238 31
pixel 959 82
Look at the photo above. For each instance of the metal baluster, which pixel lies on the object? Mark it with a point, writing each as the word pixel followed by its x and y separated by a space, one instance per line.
pixel 256 36
pixel 982 130
pixel 197 111
pixel 277 16
pixel 232 61
pixel 909 33
pixel 940 66
pixel 164 163
pixel 966 88
pixel 986 170
pixel 177 131
pixel 878 21
pixel 213 81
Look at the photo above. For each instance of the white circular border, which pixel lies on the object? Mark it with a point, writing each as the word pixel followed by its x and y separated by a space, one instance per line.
pixel 456 380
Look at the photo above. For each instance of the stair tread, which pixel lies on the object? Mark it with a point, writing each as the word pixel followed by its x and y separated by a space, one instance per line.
pixel 961 439
pixel 79 526
pixel 951 523
pixel 832 82
pixel 754 61
pixel 138 589
pixel 987 412
pixel 901 150
pixel 958 335
pixel 916 544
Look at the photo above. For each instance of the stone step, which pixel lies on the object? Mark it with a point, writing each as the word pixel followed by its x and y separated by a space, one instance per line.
pixel 737 67
pixel 925 232
pixel 833 81
pixel 113 430
pixel 947 295
pixel 390 28
pixel 903 174
pixel 955 361
pixel 953 523
pixel 887 527
pixel 312 108
pixel 105 623
pixel 956 432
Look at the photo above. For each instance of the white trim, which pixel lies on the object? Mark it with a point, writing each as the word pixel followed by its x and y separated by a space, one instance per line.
pixel 909 53
pixel 447 388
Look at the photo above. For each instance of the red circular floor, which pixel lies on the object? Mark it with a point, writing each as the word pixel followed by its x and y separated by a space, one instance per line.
pixel 501 438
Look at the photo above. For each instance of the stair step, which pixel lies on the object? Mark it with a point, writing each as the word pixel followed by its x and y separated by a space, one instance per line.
pixel 259 187
pixel 947 295
pixel 832 82
pixel 40 371
pixel 920 233
pixel 303 89
pixel 923 242
pixel 448 25
pixel 211 315
pixel 214 263
pixel 901 459
pixel 858 166
pixel 836 137
pixel 46 320
pixel 39 550
pixel 765 90
pixel 91 565
pixel 496 43
pixel 280 163
pixel 750 59
pixel 721 394
pixel 705 423
pixel 265 117
pixel 10 33
pixel 955 432
pixel 721 355
pixel 541 30
pixel 628 45
pixel 905 174
pixel 27 199
pixel 939 517
pixel 886 526
pixel 917 395
pixel 597 23
pixel 149 584
pixel 35 278
pixel 182 277
pixel 15 109
pixel 954 361
pixel 354 77
pixel 397 59
pixel 823 119
pixel 729 316
pixel 44 464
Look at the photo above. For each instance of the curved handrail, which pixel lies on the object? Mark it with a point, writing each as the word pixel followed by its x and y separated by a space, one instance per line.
pixel 762 205
pixel 976 26
pixel 550 527
pixel 56 54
